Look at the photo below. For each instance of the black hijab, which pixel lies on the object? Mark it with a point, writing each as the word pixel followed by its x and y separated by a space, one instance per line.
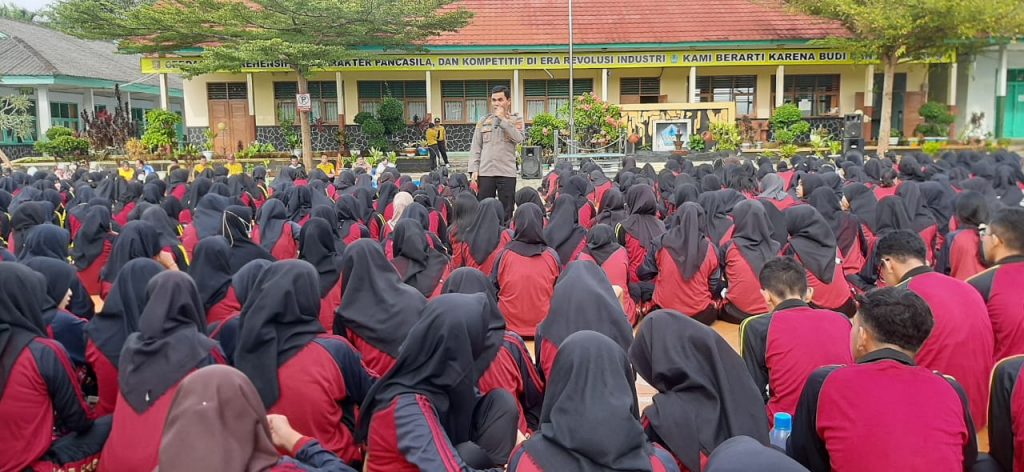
pixel 385 195
pixel 613 208
pixel 685 193
pixel 211 269
pixel 196 191
pixel 601 243
pixel 165 226
pixel 348 214
pixel 375 304
pixel 528 237
pixel 271 217
pixel 209 215
pixel 345 181
pixel 483 235
pixel 584 299
pixel 26 215
pixel 716 212
pixel 59 279
pixel 122 309
pixel 812 239
pixel 862 203
pixel 276 323
pixel 235 227
pixel 21 310
pixel 468 280
pixel 642 222
pixel 464 211
pixel 591 373
pixel 939 198
pixel 318 247
pixel 753 234
pixel 686 240
pixel 845 226
pixel 710 183
pixel 917 209
pixel 447 351
pixel 169 344
pixel 564 233
pixel 300 201
pixel 743 454
pixel 529 195
pixel 46 240
pixel 972 210
pixel 137 239
pixel 704 394
pixel 419 265
pixel 891 216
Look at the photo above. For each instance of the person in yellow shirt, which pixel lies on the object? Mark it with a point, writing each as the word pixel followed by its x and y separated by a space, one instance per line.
pixel 202 165
pixel 326 165
pixel 126 171
pixel 442 140
pixel 234 167
pixel 433 133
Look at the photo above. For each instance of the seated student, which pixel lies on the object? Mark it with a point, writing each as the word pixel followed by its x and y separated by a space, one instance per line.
pixel 429 398
pixel 24 217
pixel 564 233
pixel 846 227
pixel 168 346
pixel 167 230
pixel 961 256
pixel 1003 246
pixel 784 347
pixel 773 190
pixel 219 401
pixel 207 220
pixel 137 239
pixel 704 396
pixel 605 251
pixel 479 242
pixel 317 380
pixel 813 244
pixel 351 227
pixel 525 273
pixel 602 184
pixel 960 343
pixel 377 310
pixel 925 415
pixel 275 232
pixel 418 263
pixel 684 266
pixel 612 208
pixel 38 388
pixel 583 299
pixel 65 327
pixel 638 233
pixel 581 430
pixel 576 188
pixel 92 246
pixel 235 227
pixel 318 247
pixel 244 282
pixel 211 270
pixel 859 200
pixel 922 221
pixel 744 454
pixel 1005 410
pixel 106 332
pixel 742 259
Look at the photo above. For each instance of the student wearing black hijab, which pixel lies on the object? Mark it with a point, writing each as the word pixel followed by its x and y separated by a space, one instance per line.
pixel 705 395
pixel 743 454
pixel 46 240
pixel 61 324
pixel 850 238
pixel 479 243
pixel 318 247
pixel 961 255
pixel 564 232
pixel 612 208
pixel 526 272
pixel 236 227
pixel 168 346
pixel 377 309
pixel 591 374
pixel 576 187
pixel 137 239
pixel 583 299
pixel 859 200
pixel 350 222
pixel 211 270
pixel 464 211
pixel 167 230
pixel 605 251
pixel 283 349
pixel 431 393
pixel 207 220
pixel 716 211
pixel 418 263
pixel 813 244
pixel 638 233
pixel 276 233
pixel 742 259
pixel 25 216
pixel 106 332
pixel 921 219
pixel 683 193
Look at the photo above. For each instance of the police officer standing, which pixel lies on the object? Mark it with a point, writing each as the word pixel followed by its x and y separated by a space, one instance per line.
pixel 492 161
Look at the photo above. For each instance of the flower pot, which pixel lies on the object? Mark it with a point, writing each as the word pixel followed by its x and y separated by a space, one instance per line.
pixel 208 154
pixel 894 140
pixel 297 152
pixel 913 141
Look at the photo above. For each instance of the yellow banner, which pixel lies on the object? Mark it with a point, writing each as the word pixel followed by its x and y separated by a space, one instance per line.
pixel 590 60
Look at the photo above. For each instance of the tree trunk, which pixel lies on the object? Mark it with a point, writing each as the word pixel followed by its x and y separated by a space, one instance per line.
pixel 889 63
pixel 307 132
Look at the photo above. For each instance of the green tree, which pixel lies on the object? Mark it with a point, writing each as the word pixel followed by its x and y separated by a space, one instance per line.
pixel 15 116
pixel 14 12
pixel 891 32
pixel 304 34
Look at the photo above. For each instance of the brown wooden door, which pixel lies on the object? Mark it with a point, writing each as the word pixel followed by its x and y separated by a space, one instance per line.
pixel 238 129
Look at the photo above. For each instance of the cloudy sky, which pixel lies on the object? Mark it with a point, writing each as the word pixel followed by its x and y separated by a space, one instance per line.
pixel 30 4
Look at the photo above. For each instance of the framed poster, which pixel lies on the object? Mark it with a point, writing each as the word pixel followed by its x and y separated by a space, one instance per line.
pixel 665 132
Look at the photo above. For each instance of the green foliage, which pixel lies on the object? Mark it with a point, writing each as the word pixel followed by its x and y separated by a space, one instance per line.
pixel 211 135
pixel 788 124
pixel 362 117
pixel 785 152
pixel 14 12
pixel 254 149
pixel 937 120
pixel 58 132
pixel 726 135
pixel 545 127
pixel 188 153
pixel 15 116
pixel 598 123
pixel 391 114
pixel 289 134
pixel 107 130
pixel 933 148
pixel 161 129
pixel 696 143
pixel 64 146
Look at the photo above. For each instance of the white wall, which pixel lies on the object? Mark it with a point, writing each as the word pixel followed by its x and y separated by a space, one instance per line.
pixel 976 86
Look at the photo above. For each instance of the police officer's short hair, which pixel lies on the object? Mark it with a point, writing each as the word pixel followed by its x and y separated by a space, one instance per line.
pixel 502 89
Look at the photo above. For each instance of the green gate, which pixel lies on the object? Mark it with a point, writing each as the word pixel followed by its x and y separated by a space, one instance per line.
pixel 1014 122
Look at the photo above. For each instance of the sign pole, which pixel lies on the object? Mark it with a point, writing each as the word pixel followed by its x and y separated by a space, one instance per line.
pixel 572 98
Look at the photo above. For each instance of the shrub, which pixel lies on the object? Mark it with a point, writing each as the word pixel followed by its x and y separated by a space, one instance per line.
pixel 937 119
pixel 58 131
pixel 391 114
pixel 161 132
pixel 290 135
pixel 726 135
pixel 933 148
pixel 64 146
pixel 544 129
pixel 598 123
pixel 696 143
pixel 788 124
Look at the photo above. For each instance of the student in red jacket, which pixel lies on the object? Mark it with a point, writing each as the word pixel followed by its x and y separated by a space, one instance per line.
pixel 92 246
pixel 846 227
pixel 425 414
pixel 418 263
pixel 169 345
pixel 861 202
pixel 317 380
pixel 685 268
pixel 601 185
pixel 351 227
pixel 377 310
pixel 207 220
pixel 638 234
pixel 773 191
pixel 167 229
pixel 742 259
pixel 583 299
pixel 961 342
pixel 921 219
pixel 782 348
pixel 704 396
pixel 479 241
pixel 1003 245
pixel 581 430
pixel 106 332
pixel 1005 411
pixel 61 325
pixel 38 386
pixel 235 227
pixel 211 270
pixel 925 414
pixel 137 239
pixel 275 232
pixel 220 402
pixel 961 255
pixel 813 244
pixel 318 247
pixel 576 188
pixel 605 251
pixel 525 273
pixel 564 233
pixel 245 284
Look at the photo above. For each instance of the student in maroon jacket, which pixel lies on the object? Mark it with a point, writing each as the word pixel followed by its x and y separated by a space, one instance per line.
pixel 525 273
pixel 742 259
pixel 137 239
pixel 813 244
pixel 590 419
pixel 685 267
pixel 583 299
pixel 564 232
pixel 704 396
pixel 576 188
pixel 92 246
pixel 1006 410
pixel 925 415
pixel 479 242
pixel 211 270
pixel 418 263
pixel 244 283
pixel 960 343
pixel 425 414
pixel 859 200
pixel 61 325
pixel 351 227
pixel 784 347
pixel 236 225
pixel 220 402
pixel 167 229
pixel 317 380
pixel 773 190
pixel 605 251
pixel 170 344
pixel 318 247
pixel 275 232
pixel 638 234
pixel 1003 245
pixel 207 220
pixel 961 256
pixel 846 227
pixel 921 219
pixel 38 387
pixel 106 332
pixel 377 310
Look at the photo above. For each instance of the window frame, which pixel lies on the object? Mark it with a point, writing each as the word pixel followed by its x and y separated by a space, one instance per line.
pixel 640 95
pixel 550 100
pixel 464 99
pixel 707 95
pixel 791 94
pixel 318 104
pixel 369 104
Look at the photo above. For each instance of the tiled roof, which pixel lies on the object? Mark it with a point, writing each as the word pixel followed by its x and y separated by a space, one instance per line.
pixel 545 22
pixel 27 49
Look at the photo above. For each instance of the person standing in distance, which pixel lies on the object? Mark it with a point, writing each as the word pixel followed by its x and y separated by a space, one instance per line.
pixel 492 161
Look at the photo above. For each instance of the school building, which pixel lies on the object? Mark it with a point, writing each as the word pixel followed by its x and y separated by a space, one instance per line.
pixel 992 90
pixel 710 61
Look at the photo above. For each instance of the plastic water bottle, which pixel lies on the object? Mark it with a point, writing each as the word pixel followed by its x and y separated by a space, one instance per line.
pixel 783 428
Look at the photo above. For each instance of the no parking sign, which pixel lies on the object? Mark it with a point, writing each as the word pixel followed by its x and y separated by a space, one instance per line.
pixel 302 102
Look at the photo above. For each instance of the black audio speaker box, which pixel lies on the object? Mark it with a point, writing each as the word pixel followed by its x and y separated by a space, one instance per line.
pixel 853 126
pixel 531 168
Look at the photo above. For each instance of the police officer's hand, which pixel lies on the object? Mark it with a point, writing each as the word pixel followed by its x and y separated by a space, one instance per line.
pixel 472 176
pixel 500 112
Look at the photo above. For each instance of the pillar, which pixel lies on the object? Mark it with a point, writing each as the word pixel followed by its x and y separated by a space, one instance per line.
pixel 128 101
pixel 89 102
pixel 430 97
pixel 42 110
pixel 517 94
pixel 604 84
pixel 165 102
pixel 868 106
pixel 250 95
pixel 340 87
pixel 692 86
pixel 951 92
pixel 780 89
pixel 1001 92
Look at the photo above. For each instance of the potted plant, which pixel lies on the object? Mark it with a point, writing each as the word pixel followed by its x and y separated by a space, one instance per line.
pixel 210 136
pixel 291 137
pixel 727 136
pixel 696 143
pixel 894 136
pixel 937 120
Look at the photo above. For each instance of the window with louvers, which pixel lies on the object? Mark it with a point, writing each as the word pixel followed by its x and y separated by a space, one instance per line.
pixel 412 93
pixel 467 101
pixel 323 97
pixel 227 91
pixel 741 89
pixel 815 95
pixel 640 90
pixel 546 96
